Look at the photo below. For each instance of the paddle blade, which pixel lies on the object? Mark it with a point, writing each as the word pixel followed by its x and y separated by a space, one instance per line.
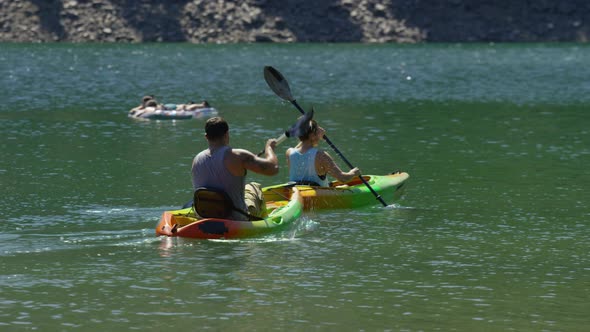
pixel 277 83
pixel 301 126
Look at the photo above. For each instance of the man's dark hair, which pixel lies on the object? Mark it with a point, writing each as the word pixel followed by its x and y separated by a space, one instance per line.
pixel 145 99
pixel 216 127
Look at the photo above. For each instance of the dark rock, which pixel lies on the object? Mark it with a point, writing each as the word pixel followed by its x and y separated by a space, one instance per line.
pixel 224 21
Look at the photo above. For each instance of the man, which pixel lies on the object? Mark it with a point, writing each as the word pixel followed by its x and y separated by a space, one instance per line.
pixel 223 167
pixel 141 108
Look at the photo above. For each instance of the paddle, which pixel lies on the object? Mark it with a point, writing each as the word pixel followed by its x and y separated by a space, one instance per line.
pixel 296 129
pixel 277 83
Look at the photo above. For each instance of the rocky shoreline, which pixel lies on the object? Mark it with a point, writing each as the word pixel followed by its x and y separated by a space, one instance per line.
pixel 285 21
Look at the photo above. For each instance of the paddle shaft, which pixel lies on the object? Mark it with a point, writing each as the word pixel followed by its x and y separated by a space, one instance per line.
pixel 377 196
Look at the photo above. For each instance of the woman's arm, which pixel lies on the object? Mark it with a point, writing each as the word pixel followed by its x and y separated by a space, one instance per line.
pixel 326 165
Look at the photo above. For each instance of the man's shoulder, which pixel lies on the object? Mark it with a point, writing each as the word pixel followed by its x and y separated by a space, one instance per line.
pixel 240 152
pixel 202 152
pixel 242 155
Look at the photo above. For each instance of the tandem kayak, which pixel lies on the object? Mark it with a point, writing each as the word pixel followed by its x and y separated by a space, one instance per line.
pixel 173 114
pixel 338 195
pixel 185 223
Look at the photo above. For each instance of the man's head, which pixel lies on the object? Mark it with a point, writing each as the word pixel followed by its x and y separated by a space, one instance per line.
pixel 216 128
pixel 145 99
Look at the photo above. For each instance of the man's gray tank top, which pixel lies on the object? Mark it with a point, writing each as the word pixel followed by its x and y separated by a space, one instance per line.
pixel 209 171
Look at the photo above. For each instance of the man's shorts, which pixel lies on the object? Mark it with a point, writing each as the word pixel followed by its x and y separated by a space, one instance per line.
pixel 254 199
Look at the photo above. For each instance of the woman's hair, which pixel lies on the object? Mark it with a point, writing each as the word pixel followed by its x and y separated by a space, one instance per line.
pixel 151 103
pixel 309 128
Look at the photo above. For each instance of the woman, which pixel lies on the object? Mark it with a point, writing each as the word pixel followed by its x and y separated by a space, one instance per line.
pixel 309 165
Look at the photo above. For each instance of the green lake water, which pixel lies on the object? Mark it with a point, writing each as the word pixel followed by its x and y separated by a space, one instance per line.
pixel 491 234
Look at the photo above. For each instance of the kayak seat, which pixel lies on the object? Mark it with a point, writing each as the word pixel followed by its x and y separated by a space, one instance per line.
pixel 215 203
